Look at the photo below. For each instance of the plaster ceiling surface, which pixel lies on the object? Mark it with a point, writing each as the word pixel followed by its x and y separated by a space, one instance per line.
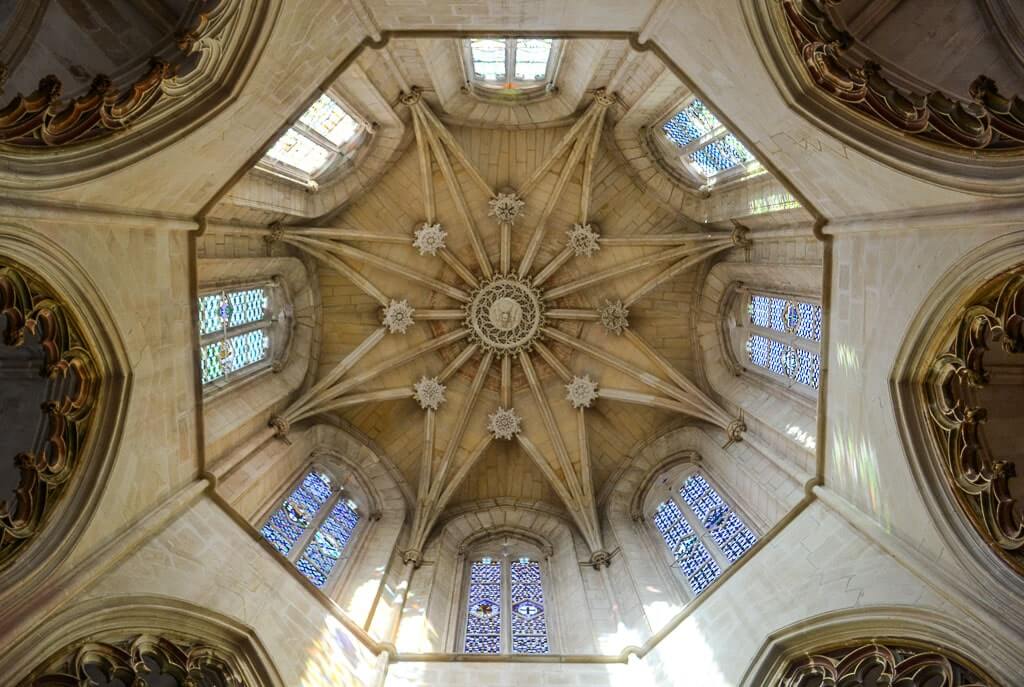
pixel 508 314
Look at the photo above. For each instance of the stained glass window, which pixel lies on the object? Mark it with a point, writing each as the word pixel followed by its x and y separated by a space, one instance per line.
pixel 529 621
pixel 687 535
pixel 295 515
pixel 510 62
pixel 317 139
pixel 727 530
pixel 798 319
pixel 316 503
pixel 483 613
pixel 231 354
pixel 706 144
pixel 233 331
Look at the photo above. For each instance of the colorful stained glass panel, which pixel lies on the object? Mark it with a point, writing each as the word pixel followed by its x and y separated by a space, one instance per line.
pixel 689 551
pixel 287 524
pixel 782 315
pixel 329 119
pixel 690 123
pixel 720 155
pixel 483 612
pixel 325 548
pixel 529 621
pixel 234 353
pixel 297 151
pixel 726 528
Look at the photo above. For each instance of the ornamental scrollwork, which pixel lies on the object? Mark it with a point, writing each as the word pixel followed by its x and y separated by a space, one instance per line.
pixel 990 122
pixel 31 316
pixel 956 381
pixel 879 664
pixel 41 119
pixel 145 661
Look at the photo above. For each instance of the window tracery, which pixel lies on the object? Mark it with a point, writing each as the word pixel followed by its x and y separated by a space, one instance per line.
pixel 701 532
pixel 707 152
pixel 778 336
pixel 512 65
pixel 326 134
pixel 241 331
pixel 314 525
pixel 505 607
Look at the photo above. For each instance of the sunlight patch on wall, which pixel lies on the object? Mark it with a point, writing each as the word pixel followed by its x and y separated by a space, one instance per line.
pixel 773 202
pixel 686 651
pixel 856 474
pixel 660 612
pixel 338 659
pixel 802 436
pixel 847 358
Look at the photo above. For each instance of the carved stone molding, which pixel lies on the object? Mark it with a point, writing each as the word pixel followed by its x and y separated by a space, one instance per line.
pixel 879 663
pixel 957 378
pixel 141 661
pixel 34 316
pixel 991 122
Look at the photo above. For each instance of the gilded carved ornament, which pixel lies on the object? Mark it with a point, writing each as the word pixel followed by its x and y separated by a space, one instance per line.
pixel 41 119
pixel 991 122
pixel 979 480
pixel 879 664
pixel 31 314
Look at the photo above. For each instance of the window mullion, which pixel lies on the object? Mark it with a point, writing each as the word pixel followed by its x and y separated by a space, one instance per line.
pixel 703 535
pixel 221 334
pixel 314 525
pixel 510 60
pixel 506 606
pixel 316 137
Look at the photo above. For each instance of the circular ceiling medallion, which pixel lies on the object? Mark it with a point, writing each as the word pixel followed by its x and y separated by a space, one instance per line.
pixel 505 314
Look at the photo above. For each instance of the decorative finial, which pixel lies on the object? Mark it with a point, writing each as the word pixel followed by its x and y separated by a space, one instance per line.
pixel 582 391
pixel 614 317
pixel 429 393
pixel 506 207
pixel 504 423
pixel 583 240
pixel 398 316
pixel 429 239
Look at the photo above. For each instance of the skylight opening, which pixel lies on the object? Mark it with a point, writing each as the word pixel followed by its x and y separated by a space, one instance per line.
pixel 707 149
pixel 511 63
pixel 323 133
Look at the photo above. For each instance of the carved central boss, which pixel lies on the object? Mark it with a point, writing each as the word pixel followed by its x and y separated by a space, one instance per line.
pixel 505 314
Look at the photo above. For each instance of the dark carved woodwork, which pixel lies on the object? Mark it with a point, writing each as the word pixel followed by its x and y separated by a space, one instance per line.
pixel 41 120
pixel 880 664
pixel 990 122
pixel 146 661
pixel 980 481
pixel 27 307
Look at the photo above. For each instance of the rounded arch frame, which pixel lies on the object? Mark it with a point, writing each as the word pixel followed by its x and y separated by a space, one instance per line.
pixel 64 525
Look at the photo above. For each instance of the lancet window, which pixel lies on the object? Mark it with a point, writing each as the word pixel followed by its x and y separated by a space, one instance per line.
pixel 707 152
pixel 242 330
pixel 326 134
pixel 314 526
pixel 511 64
pixel 505 607
pixel 703 534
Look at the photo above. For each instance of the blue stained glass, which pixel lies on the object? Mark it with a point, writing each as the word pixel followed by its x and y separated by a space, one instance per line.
pixel 781 315
pixel 783 359
pixel 325 548
pixel 288 522
pixel 728 531
pixel 690 124
pixel 483 612
pixel 529 622
pixel 247 306
pixel 691 555
pixel 721 155
pixel 808 368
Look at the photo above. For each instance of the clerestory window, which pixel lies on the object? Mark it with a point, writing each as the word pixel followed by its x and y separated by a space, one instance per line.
pixel 314 526
pixel 511 64
pixel 241 330
pixel 707 153
pixel 326 134
pixel 506 611
pixel 702 533
pixel 785 338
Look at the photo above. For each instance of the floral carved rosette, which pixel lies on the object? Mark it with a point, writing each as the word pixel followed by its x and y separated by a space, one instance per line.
pixel 32 317
pixel 956 382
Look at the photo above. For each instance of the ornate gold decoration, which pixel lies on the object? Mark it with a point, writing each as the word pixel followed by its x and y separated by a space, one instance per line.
pixel 41 120
pixel 28 307
pixel 991 121
pixel 978 480
pixel 142 661
pixel 881 664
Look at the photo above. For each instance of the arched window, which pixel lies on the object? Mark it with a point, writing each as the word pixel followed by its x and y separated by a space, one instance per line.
pixel 702 533
pixel 242 330
pixel 707 153
pixel 505 606
pixel 326 134
pixel 314 525
pixel 515 65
